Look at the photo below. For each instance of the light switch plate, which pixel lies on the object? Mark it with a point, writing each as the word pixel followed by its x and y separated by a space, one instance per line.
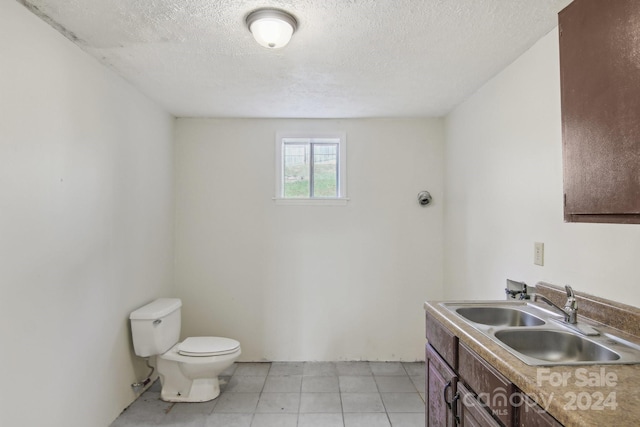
pixel 538 253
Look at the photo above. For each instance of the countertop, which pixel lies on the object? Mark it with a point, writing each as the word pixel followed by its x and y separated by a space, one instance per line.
pixel 591 395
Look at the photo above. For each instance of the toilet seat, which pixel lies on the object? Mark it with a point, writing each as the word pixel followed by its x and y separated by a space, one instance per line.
pixel 207 346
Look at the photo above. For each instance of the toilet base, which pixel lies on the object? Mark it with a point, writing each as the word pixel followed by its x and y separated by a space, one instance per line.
pixel 200 390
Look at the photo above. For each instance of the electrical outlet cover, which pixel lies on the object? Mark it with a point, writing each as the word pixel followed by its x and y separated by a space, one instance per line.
pixel 538 253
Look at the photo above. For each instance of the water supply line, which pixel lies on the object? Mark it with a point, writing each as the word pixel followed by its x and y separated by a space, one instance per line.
pixel 137 386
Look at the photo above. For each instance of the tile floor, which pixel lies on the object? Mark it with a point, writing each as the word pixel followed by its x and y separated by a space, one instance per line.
pixel 296 394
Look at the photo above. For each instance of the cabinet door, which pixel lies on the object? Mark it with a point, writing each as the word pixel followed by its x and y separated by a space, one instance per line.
pixel 492 388
pixel 600 110
pixel 440 390
pixel 472 412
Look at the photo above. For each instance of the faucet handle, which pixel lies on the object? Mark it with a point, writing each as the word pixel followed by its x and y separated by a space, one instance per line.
pixel 569 290
pixel 572 303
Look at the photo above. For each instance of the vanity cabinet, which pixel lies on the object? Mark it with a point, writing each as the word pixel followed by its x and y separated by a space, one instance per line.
pixel 450 400
pixel 600 93
pixel 463 389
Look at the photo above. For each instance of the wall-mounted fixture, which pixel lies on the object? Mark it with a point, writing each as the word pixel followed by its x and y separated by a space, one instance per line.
pixel 272 28
pixel 424 198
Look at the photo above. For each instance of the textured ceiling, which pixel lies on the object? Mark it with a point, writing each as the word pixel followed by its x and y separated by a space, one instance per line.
pixel 349 58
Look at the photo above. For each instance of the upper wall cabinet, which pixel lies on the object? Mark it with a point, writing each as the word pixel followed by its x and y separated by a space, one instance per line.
pixel 600 77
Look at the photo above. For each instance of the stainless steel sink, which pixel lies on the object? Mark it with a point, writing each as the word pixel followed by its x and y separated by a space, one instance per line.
pixel 499 316
pixel 539 337
pixel 555 346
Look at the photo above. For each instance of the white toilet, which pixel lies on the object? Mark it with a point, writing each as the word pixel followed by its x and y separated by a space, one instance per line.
pixel 189 369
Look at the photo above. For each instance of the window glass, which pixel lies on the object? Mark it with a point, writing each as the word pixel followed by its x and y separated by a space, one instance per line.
pixel 296 170
pixel 325 170
pixel 311 168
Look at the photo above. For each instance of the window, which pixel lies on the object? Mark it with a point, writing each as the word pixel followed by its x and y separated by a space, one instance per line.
pixel 311 169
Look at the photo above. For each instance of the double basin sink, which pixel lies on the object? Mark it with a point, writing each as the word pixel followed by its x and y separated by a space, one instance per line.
pixel 539 337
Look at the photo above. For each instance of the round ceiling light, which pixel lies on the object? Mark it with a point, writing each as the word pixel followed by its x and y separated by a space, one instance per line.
pixel 272 28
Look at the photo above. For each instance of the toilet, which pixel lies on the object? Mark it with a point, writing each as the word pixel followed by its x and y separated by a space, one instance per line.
pixel 189 369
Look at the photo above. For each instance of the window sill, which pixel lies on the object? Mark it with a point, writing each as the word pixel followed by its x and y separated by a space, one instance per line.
pixel 342 201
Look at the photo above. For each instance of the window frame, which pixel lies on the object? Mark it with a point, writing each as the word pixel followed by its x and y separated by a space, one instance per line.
pixel 341 199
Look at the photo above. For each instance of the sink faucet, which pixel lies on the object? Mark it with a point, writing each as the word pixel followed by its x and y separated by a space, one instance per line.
pixel 570 310
pixel 570 307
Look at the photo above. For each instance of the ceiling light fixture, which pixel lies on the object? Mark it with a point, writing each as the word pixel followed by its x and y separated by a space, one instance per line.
pixel 272 28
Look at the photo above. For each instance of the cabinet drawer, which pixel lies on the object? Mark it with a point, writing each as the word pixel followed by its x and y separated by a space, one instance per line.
pixel 490 386
pixel 443 341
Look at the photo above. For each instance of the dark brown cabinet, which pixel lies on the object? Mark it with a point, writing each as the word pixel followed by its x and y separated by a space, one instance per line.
pixel 451 403
pixel 464 390
pixel 600 82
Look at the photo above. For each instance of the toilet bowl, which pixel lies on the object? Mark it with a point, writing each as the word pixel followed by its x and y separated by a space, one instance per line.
pixel 191 376
pixel 189 369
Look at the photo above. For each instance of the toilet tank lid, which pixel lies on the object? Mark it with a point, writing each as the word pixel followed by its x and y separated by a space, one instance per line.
pixel 156 309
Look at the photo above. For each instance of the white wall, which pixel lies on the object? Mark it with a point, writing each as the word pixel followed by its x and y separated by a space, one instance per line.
pixel 503 180
pixel 86 212
pixel 300 282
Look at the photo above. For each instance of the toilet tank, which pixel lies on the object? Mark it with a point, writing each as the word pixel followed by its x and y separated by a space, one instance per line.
pixel 155 327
